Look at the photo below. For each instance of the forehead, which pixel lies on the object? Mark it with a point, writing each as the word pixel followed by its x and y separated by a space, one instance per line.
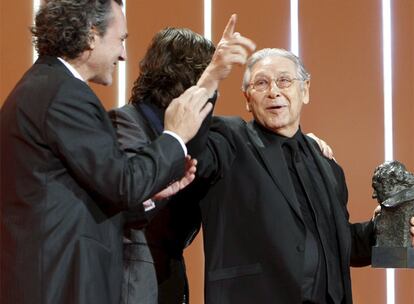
pixel 118 21
pixel 274 65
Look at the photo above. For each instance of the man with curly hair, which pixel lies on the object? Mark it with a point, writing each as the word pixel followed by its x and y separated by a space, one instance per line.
pixel 154 269
pixel 64 179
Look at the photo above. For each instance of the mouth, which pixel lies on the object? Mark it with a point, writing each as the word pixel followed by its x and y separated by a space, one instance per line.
pixel 276 108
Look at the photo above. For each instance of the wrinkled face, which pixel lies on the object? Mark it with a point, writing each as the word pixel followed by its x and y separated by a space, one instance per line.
pixel 108 49
pixel 277 109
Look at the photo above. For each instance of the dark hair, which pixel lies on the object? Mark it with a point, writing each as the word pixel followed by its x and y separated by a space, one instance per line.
pixel 63 27
pixel 174 61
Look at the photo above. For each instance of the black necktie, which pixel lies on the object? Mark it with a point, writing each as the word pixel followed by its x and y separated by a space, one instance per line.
pixel 300 168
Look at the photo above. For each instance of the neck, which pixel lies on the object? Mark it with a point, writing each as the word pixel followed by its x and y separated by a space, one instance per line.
pixel 286 132
pixel 80 65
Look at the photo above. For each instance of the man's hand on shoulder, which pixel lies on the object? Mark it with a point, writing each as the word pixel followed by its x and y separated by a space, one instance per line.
pixel 325 148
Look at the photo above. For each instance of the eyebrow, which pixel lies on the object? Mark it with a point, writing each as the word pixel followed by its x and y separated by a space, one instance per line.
pixel 264 74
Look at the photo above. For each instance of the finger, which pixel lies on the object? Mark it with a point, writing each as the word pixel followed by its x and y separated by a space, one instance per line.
pixel 184 182
pixel 238 60
pixel 330 152
pixel 207 108
pixel 412 221
pixel 239 51
pixel 190 170
pixel 199 99
pixel 412 236
pixel 229 29
pixel 325 152
pixel 187 94
pixel 236 56
pixel 377 211
pixel 243 41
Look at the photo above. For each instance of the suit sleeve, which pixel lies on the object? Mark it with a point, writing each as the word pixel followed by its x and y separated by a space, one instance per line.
pixel 198 143
pixel 79 131
pixel 219 152
pixel 131 136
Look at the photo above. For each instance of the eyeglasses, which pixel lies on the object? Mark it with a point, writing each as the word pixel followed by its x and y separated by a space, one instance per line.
pixel 262 84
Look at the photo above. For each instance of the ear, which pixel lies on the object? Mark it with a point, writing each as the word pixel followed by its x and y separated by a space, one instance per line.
pixel 248 107
pixel 246 95
pixel 93 36
pixel 305 92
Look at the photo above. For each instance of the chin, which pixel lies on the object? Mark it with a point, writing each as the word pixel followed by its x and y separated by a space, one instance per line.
pixel 104 82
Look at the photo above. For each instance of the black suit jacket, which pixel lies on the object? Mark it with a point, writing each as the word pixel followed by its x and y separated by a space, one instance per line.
pixel 154 270
pixel 63 182
pixel 254 234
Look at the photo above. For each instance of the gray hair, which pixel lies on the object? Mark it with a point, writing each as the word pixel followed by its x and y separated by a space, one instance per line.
pixel 273 52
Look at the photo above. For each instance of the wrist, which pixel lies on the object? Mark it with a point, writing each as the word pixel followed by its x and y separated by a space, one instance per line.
pixel 209 82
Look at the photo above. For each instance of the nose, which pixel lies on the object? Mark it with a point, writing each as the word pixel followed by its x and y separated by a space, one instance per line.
pixel 274 90
pixel 123 55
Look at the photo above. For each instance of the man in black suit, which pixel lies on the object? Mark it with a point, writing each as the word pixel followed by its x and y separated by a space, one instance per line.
pixel 64 179
pixel 274 213
pixel 154 269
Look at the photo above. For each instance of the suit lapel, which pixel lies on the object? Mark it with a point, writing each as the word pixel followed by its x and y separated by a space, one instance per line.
pixel 275 166
pixel 328 177
pixel 339 216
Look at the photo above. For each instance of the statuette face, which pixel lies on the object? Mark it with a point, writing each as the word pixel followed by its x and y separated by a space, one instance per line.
pixel 394 190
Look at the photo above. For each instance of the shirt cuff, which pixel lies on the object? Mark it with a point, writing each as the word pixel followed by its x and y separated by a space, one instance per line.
pixel 177 138
pixel 148 205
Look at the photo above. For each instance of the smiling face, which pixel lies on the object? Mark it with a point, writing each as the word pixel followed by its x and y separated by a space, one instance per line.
pixel 277 109
pixel 108 49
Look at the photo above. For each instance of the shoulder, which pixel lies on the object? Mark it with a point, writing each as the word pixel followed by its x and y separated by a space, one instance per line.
pixel 126 113
pixel 332 163
pixel 229 122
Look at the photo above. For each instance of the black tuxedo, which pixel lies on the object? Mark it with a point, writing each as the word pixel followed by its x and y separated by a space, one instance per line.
pixel 154 269
pixel 254 233
pixel 63 182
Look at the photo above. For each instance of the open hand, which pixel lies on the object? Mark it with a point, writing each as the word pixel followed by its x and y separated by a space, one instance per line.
pixel 185 113
pixel 190 169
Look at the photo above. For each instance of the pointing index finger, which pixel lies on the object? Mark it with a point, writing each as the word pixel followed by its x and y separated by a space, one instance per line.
pixel 229 29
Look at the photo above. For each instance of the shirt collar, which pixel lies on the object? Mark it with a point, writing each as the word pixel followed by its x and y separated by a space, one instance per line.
pixel 74 72
pixel 273 138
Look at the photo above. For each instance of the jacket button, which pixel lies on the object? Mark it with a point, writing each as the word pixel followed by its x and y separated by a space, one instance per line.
pixel 300 248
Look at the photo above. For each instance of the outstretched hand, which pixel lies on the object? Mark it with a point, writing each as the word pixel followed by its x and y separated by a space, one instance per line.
pixel 190 169
pixel 233 49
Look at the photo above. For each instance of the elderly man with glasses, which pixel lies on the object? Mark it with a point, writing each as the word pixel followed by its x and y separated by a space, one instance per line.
pixel 275 222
